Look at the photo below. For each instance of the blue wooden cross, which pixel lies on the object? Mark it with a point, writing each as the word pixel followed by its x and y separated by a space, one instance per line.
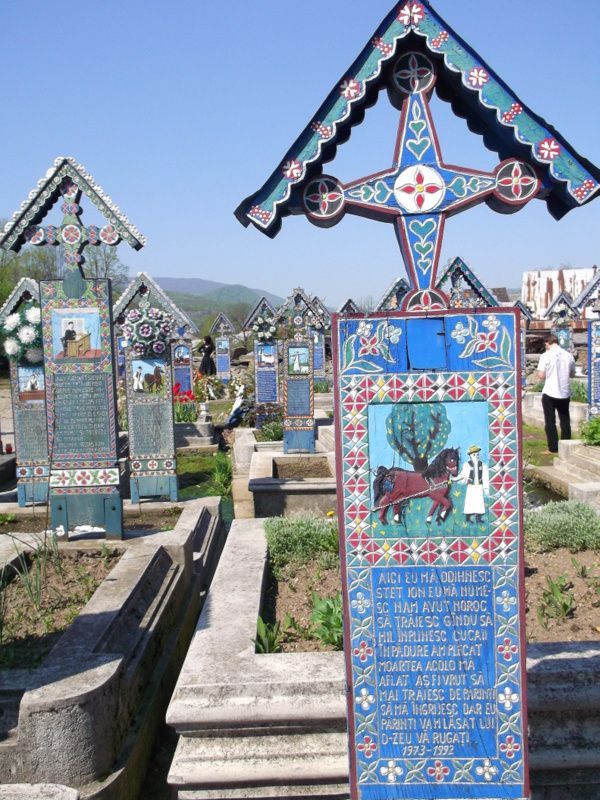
pixel 419 191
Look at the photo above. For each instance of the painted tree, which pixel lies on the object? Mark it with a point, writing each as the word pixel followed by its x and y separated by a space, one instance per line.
pixel 418 432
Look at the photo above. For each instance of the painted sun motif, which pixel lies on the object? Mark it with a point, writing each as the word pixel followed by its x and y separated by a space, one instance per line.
pixel 419 189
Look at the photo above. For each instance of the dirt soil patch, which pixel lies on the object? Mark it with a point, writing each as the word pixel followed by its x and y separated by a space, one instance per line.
pixel 569 614
pixel 300 467
pixel 149 522
pixel 32 619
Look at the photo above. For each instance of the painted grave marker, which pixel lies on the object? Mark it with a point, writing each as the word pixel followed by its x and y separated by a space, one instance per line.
pixel 349 307
pixel 78 348
pixel 562 313
pixel 427 421
pixel 183 368
pixel 594 368
pixel 261 323
pixel 318 338
pixel 430 514
pixel 298 396
pixel 20 320
pixel 466 290
pixel 224 328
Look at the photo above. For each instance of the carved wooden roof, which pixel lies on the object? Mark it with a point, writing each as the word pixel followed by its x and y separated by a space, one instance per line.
pixel 222 325
pixel 392 297
pixel 156 296
pixel 458 267
pixel 264 308
pixel 349 307
pixel 476 92
pixel 562 305
pixel 26 286
pixel 47 193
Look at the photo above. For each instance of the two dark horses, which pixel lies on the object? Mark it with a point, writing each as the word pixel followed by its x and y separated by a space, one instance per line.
pixel 395 487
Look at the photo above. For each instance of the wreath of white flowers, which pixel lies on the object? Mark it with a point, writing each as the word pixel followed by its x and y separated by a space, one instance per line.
pixel 264 328
pixel 23 335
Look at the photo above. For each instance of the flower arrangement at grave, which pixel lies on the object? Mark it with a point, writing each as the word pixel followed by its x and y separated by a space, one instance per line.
pixel 264 328
pixel 22 332
pixel 207 387
pixel 238 385
pixel 148 332
pixel 184 404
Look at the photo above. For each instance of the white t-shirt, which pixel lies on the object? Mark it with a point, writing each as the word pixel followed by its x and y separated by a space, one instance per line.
pixel 559 367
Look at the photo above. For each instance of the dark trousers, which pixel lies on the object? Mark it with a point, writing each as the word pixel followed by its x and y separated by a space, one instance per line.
pixel 551 405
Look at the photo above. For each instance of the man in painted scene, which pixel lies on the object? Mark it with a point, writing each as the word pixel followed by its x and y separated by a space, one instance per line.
pixel 476 475
pixel 70 335
pixel 556 368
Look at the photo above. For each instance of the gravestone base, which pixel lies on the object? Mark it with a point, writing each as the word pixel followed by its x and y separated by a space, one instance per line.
pixel 153 486
pixel 299 441
pixel 98 510
pixel 32 492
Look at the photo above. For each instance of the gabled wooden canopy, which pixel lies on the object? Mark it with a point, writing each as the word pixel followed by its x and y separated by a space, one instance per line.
pixel 25 290
pixel 508 126
pixel 562 305
pixel 47 193
pixel 298 297
pixel 457 267
pixel 589 295
pixel 222 325
pixel 349 307
pixel 525 310
pixel 393 295
pixel 264 308
pixel 143 285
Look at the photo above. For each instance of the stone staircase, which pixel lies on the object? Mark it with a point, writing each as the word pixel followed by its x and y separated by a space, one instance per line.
pixel 575 473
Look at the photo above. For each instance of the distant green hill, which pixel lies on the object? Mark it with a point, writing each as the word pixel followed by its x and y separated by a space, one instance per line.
pixel 219 292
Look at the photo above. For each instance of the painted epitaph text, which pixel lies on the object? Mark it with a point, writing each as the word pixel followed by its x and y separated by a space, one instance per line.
pixel 594 367
pixel 298 400
pixel 430 512
pixel 266 369
pixel 223 358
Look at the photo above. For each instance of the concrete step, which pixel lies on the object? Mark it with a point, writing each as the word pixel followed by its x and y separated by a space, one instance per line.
pixel 564 481
pixel 582 457
pixel 576 471
pixel 260 764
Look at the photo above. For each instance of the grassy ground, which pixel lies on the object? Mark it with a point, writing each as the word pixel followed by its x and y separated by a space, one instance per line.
pixel 535 447
pixel 206 476
pixel 220 410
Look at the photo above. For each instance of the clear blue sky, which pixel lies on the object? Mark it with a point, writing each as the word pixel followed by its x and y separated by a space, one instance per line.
pixel 182 109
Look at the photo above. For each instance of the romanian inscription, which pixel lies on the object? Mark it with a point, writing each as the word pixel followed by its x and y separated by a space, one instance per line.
pixel 266 386
pixel 82 428
pixel 298 398
pixel 434 650
pixel 31 434
pixel 151 429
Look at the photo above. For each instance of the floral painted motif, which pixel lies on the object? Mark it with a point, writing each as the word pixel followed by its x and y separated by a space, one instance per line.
pixel 363 651
pixel 367 746
pixel 350 89
pixel 439 771
pixel 507 698
pixel 507 649
pixel 517 181
pixel 506 601
pixel 548 149
pixel 391 771
pixel 361 603
pixel 323 198
pixel 411 14
pixel 478 77
pixel 365 699
pixel 487 770
pixel 371 343
pixel 510 747
pixel 496 341
pixel 292 170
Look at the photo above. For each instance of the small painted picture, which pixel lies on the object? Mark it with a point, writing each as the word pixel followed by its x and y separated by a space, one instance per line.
pixel 298 360
pixel 76 333
pixel 430 464
pixel 222 347
pixel 266 355
pixel 31 383
pixel 148 376
pixel 181 355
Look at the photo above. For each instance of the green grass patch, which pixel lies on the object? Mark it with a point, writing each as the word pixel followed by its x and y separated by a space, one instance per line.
pixel 535 447
pixel 206 476
pixel 220 410
pixel 299 539
pixel 567 523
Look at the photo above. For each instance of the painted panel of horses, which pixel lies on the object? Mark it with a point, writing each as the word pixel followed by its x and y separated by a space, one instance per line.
pixel 148 376
pixel 429 464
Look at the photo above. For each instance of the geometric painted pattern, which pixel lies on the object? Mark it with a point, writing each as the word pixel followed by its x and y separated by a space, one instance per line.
pixel 84 477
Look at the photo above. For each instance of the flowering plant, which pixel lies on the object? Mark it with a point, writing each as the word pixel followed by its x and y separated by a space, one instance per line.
pixel 23 334
pixel 148 331
pixel 184 405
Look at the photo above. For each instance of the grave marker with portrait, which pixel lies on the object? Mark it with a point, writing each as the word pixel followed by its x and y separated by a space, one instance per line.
pixel 298 397
pixel 20 320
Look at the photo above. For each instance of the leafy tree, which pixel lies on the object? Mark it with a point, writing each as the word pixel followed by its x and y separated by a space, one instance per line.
pixel 102 261
pixel 418 432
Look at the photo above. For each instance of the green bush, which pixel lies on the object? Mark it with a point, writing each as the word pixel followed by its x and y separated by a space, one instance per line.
pixel 322 386
pixel 299 539
pixel 569 524
pixel 326 618
pixel 579 392
pixel 271 431
pixel 590 431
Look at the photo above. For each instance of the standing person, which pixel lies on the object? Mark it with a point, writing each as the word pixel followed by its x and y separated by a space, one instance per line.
pixel 556 368
pixel 207 365
pixel 476 476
